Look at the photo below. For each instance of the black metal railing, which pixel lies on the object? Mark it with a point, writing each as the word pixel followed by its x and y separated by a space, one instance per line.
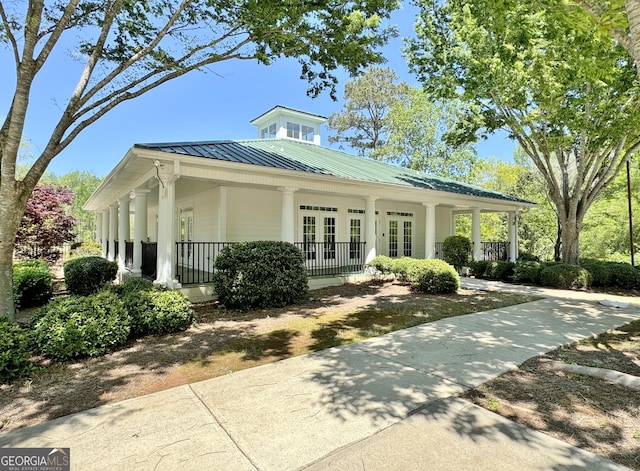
pixel 495 251
pixel 438 251
pixel 116 249
pixel 194 261
pixel 128 254
pixel 149 259
pixel 334 258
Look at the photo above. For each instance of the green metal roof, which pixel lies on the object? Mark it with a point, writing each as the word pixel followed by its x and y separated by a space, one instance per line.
pixel 287 154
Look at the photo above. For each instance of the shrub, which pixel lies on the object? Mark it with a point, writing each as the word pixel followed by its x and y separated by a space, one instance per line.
pixel 86 275
pixel 600 272
pixel 14 351
pixel 86 249
pixel 32 283
pixel 527 257
pixel 79 326
pixel 401 267
pixel 382 264
pixel 561 275
pixel 612 274
pixel 434 277
pixel 456 250
pixel 156 311
pixel 527 272
pixel 478 268
pixel 499 270
pixel 260 274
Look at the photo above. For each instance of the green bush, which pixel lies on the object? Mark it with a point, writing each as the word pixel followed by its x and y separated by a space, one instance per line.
pixel 260 274
pixel 564 276
pixel 156 311
pixel 80 326
pixel 32 283
pixel 527 272
pixel 478 268
pixel 612 274
pixel 401 268
pixel 456 250
pixel 86 275
pixel 527 257
pixel 382 264
pixel 434 277
pixel 499 270
pixel 14 351
pixel 86 249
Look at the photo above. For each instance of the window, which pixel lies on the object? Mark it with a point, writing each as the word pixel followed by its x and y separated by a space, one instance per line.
pixel 393 238
pixel 307 133
pixel 293 130
pixel 355 236
pixel 268 132
pixel 407 239
pixel 329 238
pixel 309 236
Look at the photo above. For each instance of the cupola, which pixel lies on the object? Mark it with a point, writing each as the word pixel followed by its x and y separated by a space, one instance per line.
pixel 281 122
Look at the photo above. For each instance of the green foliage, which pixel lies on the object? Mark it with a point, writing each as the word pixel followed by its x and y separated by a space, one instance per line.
pixel 478 267
pixel 32 283
pixel 456 251
pixel 433 277
pixel 499 270
pixel 565 276
pixel 154 310
pixel 86 275
pixel 260 274
pixel 612 274
pixel 86 249
pixel 14 351
pixel 382 264
pixel 401 268
pixel 80 326
pixel 527 272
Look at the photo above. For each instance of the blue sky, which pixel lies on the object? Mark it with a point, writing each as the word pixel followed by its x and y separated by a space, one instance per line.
pixel 210 105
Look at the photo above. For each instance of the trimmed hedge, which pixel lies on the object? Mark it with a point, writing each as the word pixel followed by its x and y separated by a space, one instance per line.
pixel 612 274
pixel 528 272
pixel 478 267
pixel 32 283
pixel 86 275
pixel 382 264
pixel 260 274
pixel 564 276
pixel 86 249
pixel 456 250
pixel 499 270
pixel 14 351
pixel 401 268
pixel 433 277
pixel 80 326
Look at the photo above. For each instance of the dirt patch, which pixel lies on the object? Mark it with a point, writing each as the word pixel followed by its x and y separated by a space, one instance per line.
pixel 224 341
pixel 587 412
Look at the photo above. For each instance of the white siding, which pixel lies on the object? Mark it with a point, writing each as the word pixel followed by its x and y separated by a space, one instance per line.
pixel 253 214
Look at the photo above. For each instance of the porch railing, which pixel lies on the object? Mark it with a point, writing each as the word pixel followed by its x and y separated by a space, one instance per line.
pixel 194 260
pixel 490 250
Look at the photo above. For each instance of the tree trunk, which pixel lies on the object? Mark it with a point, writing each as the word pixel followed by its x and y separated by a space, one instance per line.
pixel 7 239
pixel 632 8
pixel 557 248
pixel 570 227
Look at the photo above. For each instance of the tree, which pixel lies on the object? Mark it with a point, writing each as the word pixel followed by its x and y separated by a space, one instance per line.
pixel 46 224
pixel 362 122
pixel 82 184
pixel 416 127
pixel 129 48
pixel 567 95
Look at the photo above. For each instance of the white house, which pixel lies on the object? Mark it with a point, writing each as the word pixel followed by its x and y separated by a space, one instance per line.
pixel 177 204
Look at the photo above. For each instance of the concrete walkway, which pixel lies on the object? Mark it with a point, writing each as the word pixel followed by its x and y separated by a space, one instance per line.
pixel 388 403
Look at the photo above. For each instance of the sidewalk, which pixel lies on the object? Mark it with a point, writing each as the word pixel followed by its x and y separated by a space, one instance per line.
pixel 384 404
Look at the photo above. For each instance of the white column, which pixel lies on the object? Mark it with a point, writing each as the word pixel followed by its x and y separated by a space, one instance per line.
pixel 99 227
pixel 222 214
pixel 124 230
pixel 113 230
pixel 475 234
pixel 513 236
pixel 139 227
pixel 430 230
pixel 287 231
pixel 370 228
pixel 452 222
pixel 105 232
pixel 166 227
